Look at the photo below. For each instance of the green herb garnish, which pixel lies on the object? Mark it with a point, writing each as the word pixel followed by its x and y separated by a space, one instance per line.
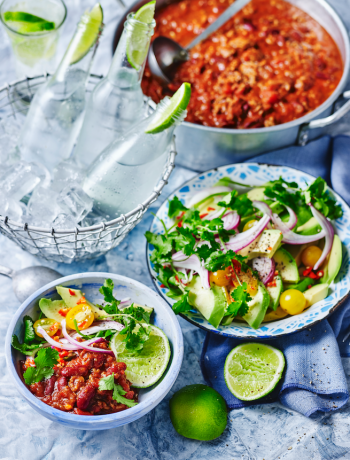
pixel 46 359
pixel 108 383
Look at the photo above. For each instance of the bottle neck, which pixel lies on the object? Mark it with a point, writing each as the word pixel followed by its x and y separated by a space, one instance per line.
pixel 130 56
pixel 71 60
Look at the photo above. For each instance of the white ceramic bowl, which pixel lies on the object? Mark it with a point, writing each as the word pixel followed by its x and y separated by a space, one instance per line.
pixel 259 174
pixel 90 283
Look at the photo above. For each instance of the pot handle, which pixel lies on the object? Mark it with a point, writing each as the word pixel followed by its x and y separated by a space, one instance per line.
pixel 322 122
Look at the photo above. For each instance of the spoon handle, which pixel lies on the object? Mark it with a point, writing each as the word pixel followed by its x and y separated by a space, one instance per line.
pixel 6 271
pixel 226 15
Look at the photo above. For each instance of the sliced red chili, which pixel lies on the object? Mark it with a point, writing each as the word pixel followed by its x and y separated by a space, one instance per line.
pixel 71 292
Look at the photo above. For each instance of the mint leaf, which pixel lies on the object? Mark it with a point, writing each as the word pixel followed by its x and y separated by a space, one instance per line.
pixel 175 207
pixel 45 360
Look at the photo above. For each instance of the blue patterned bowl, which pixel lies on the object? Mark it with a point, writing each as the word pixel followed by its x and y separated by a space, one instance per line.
pixel 258 174
pixel 125 287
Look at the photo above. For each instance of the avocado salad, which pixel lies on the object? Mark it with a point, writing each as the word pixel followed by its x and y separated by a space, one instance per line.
pixel 90 359
pixel 257 256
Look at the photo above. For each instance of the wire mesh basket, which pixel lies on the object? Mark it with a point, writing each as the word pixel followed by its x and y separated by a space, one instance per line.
pixel 80 243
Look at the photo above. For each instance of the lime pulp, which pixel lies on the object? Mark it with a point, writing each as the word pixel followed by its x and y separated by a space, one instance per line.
pixel 137 42
pixel 252 370
pixel 177 104
pixel 144 367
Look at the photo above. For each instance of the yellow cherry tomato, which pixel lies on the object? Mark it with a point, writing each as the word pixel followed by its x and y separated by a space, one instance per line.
pixel 249 224
pixel 310 256
pixel 50 326
pixel 82 314
pixel 293 301
pixel 221 277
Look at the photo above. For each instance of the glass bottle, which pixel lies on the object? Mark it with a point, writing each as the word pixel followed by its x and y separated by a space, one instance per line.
pixel 55 115
pixel 126 172
pixel 117 101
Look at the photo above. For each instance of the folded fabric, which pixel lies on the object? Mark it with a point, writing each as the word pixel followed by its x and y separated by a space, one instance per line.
pixel 314 379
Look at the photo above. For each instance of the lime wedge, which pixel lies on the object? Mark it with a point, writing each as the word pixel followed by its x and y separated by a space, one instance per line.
pixel 22 17
pixel 176 105
pixel 93 25
pixel 144 368
pixel 137 42
pixel 26 22
pixel 252 370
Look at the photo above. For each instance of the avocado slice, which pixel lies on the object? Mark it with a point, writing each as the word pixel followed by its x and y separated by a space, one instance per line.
pixel 275 292
pixel 274 315
pixel 258 307
pixel 333 264
pixel 311 227
pixel 264 246
pixel 316 293
pixel 51 308
pixel 257 193
pixel 71 298
pixel 286 266
pixel 211 303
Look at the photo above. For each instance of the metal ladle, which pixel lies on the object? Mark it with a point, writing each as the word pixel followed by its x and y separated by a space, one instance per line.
pixel 165 55
pixel 29 280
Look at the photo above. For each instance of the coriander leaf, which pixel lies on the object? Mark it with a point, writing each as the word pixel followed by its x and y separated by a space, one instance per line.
pixel 45 360
pixel 106 383
pixel 182 305
pixel 280 190
pixel 175 206
pixel 188 248
pixel 242 204
pixel 112 303
pixel 118 393
pixel 164 274
pixel 162 244
pixel 219 260
pixel 240 297
pixel 29 334
pixel 317 194
pixel 25 348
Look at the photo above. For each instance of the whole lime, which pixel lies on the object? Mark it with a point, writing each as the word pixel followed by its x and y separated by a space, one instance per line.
pixel 198 412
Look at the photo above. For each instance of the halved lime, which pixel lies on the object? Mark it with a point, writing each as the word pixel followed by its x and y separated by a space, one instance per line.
pixel 144 368
pixel 137 42
pixel 252 370
pixel 176 105
pixel 93 25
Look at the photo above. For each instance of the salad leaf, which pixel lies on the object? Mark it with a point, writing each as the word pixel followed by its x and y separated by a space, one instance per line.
pixel 280 190
pixel 46 359
pixel 108 384
pixel 241 203
pixel 132 318
pixel 182 305
pixel 29 333
pixel 317 194
pixel 240 297
pixel 25 348
pixel 219 260
pixel 162 244
pixel 175 207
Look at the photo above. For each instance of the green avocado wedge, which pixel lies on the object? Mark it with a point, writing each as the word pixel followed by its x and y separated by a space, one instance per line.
pixel 257 307
pixel 211 303
pixel 71 298
pixel 333 264
pixel 275 292
pixel 51 308
pixel 286 266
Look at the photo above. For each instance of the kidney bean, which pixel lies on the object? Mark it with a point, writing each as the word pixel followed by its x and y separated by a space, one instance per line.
pixel 84 396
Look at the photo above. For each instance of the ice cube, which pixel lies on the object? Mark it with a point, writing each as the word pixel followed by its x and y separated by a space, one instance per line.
pixel 42 207
pixel 9 132
pixel 21 178
pixel 12 209
pixel 64 222
pixel 66 174
pixel 75 202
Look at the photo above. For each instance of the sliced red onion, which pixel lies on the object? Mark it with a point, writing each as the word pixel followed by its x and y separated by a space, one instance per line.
pixel 57 344
pixel 231 220
pixel 81 344
pixel 292 218
pixel 328 230
pixel 100 326
pixel 240 241
pixel 124 301
pixel 289 237
pixel 203 194
pixel 180 260
pixel 265 267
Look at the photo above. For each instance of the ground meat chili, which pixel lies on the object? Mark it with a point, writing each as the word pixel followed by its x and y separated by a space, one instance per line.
pixel 269 64
pixel 74 386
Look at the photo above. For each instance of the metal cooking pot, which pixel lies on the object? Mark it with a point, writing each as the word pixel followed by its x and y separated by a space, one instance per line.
pixel 202 147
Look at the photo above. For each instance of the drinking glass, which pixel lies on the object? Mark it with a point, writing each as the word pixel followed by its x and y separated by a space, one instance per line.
pixel 35 51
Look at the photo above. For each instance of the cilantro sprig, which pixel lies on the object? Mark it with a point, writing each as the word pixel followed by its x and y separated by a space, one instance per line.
pixel 45 361
pixel 134 319
pixel 31 342
pixel 240 297
pixel 108 384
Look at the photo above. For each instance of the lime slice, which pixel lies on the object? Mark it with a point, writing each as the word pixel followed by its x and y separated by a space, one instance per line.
pixel 176 105
pixel 252 370
pixel 144 368
pixel 93 25
pixel 137 42
pixel 22 17
pixel 26 22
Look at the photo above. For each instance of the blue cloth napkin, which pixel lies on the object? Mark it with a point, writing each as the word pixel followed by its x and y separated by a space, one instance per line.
pixel 314 379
